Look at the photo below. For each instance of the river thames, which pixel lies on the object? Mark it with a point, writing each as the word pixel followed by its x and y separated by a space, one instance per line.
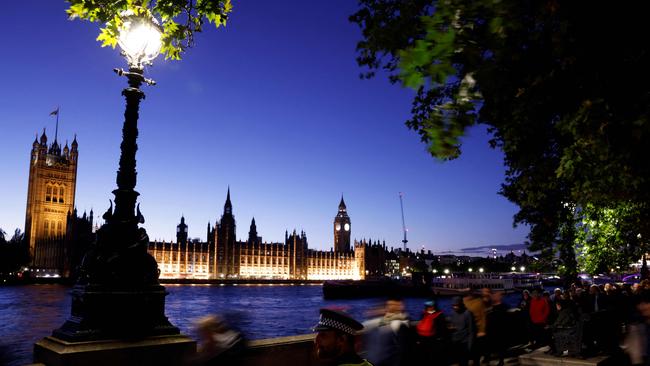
pixel 29 313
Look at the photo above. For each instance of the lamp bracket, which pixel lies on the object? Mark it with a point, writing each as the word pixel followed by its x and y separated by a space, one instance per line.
pixel 136 75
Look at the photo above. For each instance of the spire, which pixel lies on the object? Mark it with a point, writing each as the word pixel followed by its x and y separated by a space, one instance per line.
pixel 342 204
pixel 227 207
pixel 74 143
pixel 44 138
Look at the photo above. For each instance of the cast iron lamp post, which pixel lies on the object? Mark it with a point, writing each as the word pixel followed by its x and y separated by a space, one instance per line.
pixel 118 295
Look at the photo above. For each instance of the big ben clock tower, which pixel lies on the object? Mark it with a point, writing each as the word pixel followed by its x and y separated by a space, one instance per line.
pixel 342 229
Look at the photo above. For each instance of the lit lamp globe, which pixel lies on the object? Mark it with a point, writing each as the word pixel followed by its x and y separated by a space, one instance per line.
pixel 140 39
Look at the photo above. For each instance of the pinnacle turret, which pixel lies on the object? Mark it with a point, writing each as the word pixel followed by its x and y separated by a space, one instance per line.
pixel 44 138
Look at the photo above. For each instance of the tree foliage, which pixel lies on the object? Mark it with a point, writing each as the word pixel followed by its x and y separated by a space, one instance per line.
pixel 608 238
pixel 13 252
pixel 563 87
pixel 180 19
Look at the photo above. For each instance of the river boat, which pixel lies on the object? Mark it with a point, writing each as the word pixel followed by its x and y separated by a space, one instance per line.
pixel 527 282
pixel 456 286
pixel 352 289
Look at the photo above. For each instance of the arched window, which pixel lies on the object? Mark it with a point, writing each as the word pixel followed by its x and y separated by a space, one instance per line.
pixel 61 192
pixel 46 227
pixel 55 194
pixel 59 228
pixel 48 193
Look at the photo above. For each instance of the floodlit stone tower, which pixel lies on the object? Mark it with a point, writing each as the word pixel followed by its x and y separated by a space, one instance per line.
pixel 50 191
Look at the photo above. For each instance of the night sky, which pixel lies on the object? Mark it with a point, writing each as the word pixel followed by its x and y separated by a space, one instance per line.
pixel 271 105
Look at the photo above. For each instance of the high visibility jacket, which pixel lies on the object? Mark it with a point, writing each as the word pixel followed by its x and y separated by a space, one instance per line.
pixel 363 363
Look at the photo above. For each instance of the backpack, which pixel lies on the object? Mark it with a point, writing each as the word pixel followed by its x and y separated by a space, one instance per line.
pixel 426 327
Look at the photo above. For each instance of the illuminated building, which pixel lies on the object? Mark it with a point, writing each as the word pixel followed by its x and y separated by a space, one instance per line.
pixel 222 256
pixel 50 200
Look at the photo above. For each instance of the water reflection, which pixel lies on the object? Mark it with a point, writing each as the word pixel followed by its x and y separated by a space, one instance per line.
pixel 28 314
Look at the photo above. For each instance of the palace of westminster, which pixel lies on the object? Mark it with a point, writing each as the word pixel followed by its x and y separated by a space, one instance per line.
pixel 58 237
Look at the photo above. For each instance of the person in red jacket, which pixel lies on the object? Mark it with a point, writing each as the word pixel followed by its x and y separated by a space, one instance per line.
pixel 539 312
pixel 431 332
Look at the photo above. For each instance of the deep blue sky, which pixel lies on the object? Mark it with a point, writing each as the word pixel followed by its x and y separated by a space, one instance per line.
pixel 271 105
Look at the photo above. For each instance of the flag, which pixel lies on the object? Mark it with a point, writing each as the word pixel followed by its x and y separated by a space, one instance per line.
pixel 55 112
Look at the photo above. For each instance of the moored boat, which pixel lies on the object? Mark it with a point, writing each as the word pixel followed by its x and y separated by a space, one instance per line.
pixel 452 286
pixel 350 289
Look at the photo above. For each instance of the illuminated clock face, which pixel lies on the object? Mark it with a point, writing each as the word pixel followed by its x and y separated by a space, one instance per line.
pixel 338 227
pixel 347 227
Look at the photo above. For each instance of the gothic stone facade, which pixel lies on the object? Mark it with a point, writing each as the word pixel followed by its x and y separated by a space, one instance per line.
pixel 50 197
pixel 223 256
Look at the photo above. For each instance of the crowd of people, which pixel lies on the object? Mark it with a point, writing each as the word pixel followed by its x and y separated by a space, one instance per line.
pixel 579 321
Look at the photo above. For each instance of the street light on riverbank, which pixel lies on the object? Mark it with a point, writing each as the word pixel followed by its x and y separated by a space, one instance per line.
pixel 117 295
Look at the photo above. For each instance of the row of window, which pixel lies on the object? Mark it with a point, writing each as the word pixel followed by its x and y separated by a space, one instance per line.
pixel 53 228
pixel 165 257
pixel 54 193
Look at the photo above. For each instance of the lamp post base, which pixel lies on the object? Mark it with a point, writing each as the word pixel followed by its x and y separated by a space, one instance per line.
pixel 102 312
pixel 169 350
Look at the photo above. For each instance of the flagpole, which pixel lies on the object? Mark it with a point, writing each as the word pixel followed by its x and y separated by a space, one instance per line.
pixel 56 132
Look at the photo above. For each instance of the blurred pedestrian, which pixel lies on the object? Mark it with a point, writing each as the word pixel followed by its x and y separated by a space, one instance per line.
pixel 386 338
pixel 463 332
pixel 564 328
pixel 335 339
pixel 496 328
pixel 524 306
pixel 218 343
pixel 539 312
pixel 476 306
pixel 431 336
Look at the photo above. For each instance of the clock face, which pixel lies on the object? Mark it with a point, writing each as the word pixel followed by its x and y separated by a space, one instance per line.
pixel 347 227
pixel 338 227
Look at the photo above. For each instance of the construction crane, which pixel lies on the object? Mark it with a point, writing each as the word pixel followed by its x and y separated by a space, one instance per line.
pixel 401 205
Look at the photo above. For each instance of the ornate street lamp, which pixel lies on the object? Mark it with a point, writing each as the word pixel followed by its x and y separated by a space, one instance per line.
pixel 118 305
pixel 118 295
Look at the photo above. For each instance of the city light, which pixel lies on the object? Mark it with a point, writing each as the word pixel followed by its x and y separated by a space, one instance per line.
pixel 522 268
pixel 446 271
pixel 513 268
pixel 480 269
pixel 470 269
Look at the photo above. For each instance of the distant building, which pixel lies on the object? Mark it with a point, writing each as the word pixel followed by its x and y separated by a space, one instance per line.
pixel 222 256
pixel 376 257
pixel 50 200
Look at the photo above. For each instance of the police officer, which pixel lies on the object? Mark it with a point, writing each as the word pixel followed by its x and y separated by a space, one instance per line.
pixel 334 342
